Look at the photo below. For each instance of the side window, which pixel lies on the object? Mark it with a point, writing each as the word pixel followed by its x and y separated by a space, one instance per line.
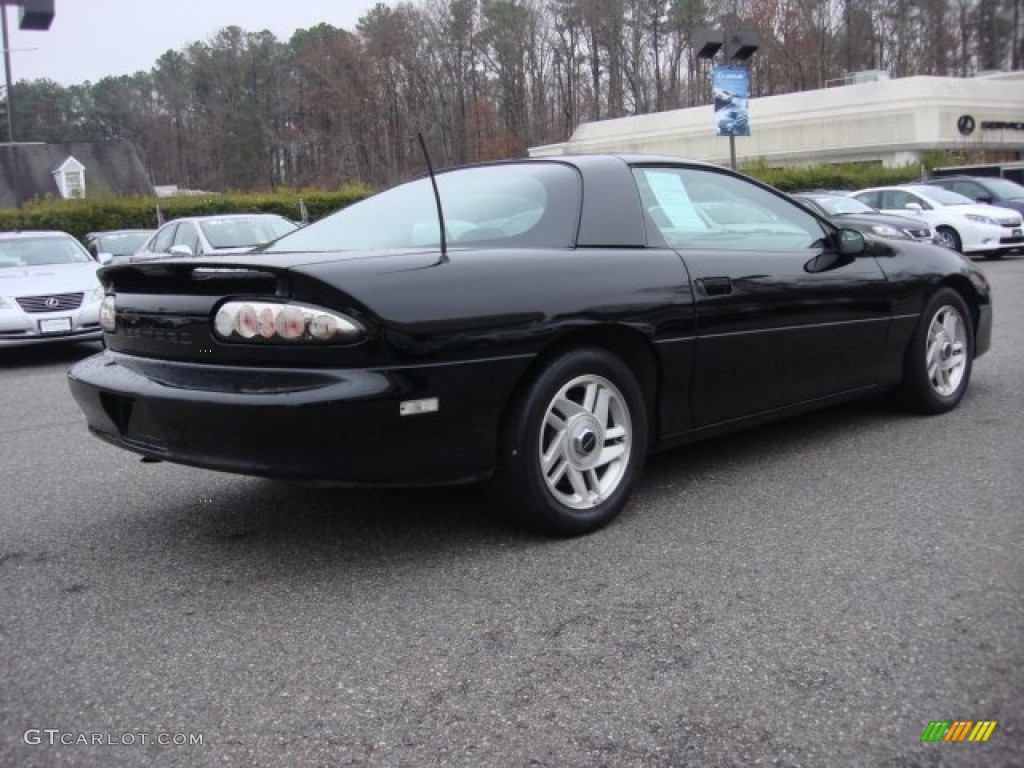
pixel 899 199
pixel 697 208
pixel 874 199
pixel 187 235
pixel 164 238
pixel 969 189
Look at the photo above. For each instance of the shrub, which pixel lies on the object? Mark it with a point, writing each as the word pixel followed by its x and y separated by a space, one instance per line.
pixel 96 213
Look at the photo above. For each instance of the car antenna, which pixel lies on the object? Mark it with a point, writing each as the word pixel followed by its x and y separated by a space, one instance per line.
pixel 437 198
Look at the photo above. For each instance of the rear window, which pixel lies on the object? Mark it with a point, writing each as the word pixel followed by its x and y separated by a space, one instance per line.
pixel 500 206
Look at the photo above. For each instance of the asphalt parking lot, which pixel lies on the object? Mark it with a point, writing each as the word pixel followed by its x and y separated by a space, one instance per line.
pixel 813 593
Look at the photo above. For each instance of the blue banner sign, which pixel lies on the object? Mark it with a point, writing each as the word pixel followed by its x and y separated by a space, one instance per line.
pixel 731 86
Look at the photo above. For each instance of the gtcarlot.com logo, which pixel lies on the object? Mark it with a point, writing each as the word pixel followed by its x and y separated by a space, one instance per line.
pixel 57 736
pixel 958 730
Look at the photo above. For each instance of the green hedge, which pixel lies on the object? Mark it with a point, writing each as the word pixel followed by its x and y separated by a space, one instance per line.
pixel 94 214
pixel 837 177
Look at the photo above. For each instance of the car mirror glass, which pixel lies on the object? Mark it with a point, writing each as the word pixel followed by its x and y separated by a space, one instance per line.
pixel 851 242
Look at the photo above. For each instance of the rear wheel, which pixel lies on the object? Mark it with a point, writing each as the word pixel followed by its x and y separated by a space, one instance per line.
pixel 948 237
pixel 573 444
pixel 938 362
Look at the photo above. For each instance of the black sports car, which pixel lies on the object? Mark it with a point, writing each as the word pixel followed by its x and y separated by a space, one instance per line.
pixel 847 211
pixel 542 324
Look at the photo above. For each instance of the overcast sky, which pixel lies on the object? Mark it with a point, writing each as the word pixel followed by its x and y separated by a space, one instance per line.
pixel 91 39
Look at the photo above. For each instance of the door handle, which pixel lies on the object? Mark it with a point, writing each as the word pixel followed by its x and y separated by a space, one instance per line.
pixel 715 286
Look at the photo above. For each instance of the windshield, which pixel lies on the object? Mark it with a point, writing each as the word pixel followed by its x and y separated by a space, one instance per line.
pixel 1005 189
pixel 245 232
pixel 500 206
pixel 40 251
pixel 839 206
pixel 122 244
pixel 942 196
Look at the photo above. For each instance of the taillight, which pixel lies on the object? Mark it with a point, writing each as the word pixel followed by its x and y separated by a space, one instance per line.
pixel 263 321
pixel 108 314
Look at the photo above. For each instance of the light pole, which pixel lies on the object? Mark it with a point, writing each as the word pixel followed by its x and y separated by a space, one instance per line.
pixel 35 14
pixel 738 47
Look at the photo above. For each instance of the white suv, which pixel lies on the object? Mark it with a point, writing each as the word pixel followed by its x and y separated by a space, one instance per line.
pixel 959 222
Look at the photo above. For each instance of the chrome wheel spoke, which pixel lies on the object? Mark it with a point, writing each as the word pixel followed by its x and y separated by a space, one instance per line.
pixel 579 484
pixel 554 452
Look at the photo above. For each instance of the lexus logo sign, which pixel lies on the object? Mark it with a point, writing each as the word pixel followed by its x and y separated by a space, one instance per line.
pixel 53 302
pixel 965 124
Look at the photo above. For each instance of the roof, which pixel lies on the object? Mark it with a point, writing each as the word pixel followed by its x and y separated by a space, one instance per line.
pixel 112 166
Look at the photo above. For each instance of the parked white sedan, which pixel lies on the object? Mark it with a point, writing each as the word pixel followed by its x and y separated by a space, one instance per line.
pixel 216 235
pixel 959 222
pixel 48 289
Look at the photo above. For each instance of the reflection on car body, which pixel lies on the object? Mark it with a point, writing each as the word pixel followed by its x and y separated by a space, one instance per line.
pixel 584 311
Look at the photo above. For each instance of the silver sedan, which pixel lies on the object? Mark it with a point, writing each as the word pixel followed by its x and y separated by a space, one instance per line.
pixel 48 289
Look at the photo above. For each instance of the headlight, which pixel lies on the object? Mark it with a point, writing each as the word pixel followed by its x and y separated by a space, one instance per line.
pixel 981 219
pixel 883 230
pixel 96 294
pixel 108 314
pixel 4 304
pixel 262 321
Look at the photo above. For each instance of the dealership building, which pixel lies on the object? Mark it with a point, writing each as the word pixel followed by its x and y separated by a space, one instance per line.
pixel 877 120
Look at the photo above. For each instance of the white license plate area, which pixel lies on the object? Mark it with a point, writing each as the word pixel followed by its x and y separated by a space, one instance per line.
pixel 55 325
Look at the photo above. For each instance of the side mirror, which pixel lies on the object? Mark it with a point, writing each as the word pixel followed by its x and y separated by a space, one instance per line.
pixel 848 245
pixel 983 199
pixel 181 250
pixel 104 258
pixel 915 207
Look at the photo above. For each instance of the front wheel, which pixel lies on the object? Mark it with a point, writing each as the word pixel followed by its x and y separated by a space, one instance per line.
pixel 938 361
pixel 573 444
pixel 948 237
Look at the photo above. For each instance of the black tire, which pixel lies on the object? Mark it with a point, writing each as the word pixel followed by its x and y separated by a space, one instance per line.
pixel 949 237
pixel 939 359
pixel 598 448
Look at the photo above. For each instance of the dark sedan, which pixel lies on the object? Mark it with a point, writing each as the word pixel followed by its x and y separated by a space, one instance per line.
pixel 566 318
pixel 846 211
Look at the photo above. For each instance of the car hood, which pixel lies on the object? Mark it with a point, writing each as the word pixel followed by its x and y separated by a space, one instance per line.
pixel 982 209
pixel 49 278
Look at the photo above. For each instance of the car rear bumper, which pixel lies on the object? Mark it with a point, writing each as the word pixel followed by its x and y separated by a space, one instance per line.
pixel 338 425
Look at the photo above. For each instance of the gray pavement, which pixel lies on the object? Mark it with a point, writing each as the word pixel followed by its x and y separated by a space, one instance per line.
pixel 812 593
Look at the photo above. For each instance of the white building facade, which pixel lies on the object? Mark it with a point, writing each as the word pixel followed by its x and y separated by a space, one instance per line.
pixel 889 121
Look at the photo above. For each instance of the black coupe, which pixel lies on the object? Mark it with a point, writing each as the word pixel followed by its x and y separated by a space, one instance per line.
pixel 541 324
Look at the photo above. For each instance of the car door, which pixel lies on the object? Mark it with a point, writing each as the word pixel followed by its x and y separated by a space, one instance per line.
pixel 773 328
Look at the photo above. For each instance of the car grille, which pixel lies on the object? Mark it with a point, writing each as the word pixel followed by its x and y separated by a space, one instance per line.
pixel 1009 221
pixel 59 302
